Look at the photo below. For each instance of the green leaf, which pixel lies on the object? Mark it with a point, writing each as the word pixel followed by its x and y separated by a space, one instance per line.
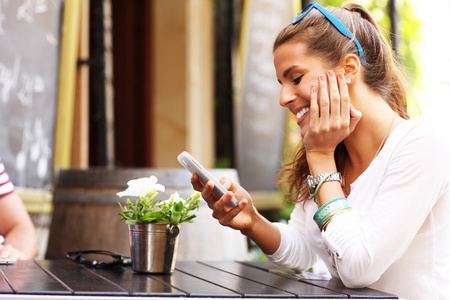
pixel 175 218
pixel 179 206
pixel 188 218
pixel 131 222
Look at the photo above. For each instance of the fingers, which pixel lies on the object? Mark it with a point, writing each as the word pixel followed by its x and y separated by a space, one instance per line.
pixel 335 99
pixel 344 100
pixel 227 218
pixel 220 207
pixel 324 103
pixel 226 182
pixel 196 183
pixel 220 210
pixel 207 190
pixel 330 106
pixel 207 194
pixel 314 111
pixel 8 251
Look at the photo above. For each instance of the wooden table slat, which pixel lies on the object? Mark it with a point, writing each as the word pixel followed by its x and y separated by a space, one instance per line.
pixel 332 284
pixel 80 279
pixel 247 288
pixel 195 287
pixel 138 284
pixel 286 284
pixel 363 293
pixel 26 277
pixel 4 286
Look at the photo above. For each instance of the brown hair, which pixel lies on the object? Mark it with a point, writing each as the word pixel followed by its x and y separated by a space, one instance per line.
pixel 382 73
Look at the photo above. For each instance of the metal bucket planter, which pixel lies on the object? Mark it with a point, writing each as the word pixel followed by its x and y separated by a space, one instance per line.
pixel 153 247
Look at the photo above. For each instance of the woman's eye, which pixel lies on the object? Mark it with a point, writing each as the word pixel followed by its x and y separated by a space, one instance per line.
pixel 297 80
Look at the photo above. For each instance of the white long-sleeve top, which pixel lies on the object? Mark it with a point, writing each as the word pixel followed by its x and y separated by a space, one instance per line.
pixel 397 236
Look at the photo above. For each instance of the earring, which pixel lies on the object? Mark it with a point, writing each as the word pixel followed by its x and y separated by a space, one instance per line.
pixel 348 80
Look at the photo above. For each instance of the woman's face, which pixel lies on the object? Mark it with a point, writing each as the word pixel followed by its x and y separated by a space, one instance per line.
pixel 297 73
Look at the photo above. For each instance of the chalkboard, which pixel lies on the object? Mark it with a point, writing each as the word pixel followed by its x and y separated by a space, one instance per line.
pixel 29 59
pixel 261 118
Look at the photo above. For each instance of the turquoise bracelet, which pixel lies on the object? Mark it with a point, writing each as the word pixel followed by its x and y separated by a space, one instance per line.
pixel 326 212
pixel 320 183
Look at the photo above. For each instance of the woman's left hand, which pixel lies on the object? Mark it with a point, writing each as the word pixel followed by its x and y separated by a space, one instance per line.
pixel 8 251
pixel 332 116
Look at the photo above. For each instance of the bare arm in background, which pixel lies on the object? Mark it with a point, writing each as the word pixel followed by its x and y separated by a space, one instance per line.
pixel 17 229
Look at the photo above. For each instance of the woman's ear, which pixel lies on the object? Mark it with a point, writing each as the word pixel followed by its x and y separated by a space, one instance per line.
pixel 351 67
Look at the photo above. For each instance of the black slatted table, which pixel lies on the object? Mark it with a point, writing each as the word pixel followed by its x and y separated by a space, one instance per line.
pixel 63 279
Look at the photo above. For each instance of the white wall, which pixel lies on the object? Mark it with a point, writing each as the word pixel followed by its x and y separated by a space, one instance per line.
pixel 435 61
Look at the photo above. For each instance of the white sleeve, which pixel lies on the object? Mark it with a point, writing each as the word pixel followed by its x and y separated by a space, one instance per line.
pixel 363 244
pixel 294 251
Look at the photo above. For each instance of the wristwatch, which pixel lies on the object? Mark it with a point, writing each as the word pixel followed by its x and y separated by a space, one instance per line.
pixel 313 181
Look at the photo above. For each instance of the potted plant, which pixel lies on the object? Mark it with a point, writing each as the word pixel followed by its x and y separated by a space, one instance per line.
pixel 154 225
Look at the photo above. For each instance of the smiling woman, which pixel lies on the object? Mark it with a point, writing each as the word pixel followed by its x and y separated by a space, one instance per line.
pixel 358 175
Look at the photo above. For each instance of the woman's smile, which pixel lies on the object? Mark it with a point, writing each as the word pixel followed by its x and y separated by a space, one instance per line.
pixel 301 115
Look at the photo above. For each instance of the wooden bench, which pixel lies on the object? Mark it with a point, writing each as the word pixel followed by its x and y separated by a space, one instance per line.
pixel 85 214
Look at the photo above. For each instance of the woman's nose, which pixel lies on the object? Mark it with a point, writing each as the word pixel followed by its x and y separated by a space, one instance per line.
pixel 286 96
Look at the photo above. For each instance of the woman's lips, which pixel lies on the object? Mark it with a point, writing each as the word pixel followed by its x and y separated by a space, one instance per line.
pixel 301 114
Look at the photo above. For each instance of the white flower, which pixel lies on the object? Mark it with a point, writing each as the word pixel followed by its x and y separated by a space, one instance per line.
pixel 141 187
pixel 175 197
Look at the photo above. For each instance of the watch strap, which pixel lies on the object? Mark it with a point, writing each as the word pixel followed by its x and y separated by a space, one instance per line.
pixel 313 181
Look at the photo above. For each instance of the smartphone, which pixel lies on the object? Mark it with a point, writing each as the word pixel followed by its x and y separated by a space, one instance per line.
pixel 7 261
pixel 193 166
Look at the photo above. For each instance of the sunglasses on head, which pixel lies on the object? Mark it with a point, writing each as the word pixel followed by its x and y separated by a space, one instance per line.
pixel 336 23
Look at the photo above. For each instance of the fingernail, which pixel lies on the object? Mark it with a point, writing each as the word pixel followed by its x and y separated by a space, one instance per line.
pixel 314 89
pixel 322 77
pixel 341 76
pixel 330 73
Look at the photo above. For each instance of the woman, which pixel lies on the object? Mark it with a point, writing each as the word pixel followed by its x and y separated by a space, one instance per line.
pixel 17 232
pixel 371 186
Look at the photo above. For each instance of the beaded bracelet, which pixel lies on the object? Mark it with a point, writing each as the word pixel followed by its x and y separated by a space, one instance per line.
pixel 329 210
pixel 320 183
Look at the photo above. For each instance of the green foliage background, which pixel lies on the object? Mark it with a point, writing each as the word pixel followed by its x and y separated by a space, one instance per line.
pixel 408 32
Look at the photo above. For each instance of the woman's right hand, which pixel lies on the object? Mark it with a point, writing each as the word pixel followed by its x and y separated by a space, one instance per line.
pixel 239 217
pixel 243 217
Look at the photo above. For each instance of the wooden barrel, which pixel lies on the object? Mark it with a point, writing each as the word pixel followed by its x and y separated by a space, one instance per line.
pixel 85 214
